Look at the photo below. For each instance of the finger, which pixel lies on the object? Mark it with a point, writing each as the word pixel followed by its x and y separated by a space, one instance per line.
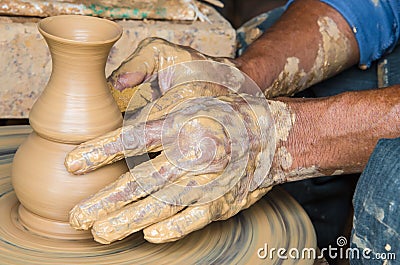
pixel 134 69
pixel 127 141
pixel 120 81
pixel 189 220
pixel 152 209
pixel 95 153
pixel 195 218
pixel 178 226
pixel 144 179
pixel 131 219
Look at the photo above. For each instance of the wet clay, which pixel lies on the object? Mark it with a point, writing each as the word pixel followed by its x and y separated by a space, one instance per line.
pixel 74 107
pixel 333 49
pixel 234 241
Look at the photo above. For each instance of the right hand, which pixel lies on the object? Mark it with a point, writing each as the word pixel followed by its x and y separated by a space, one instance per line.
pixel 169 196
pixel 124 207
pixel 151 56
pixel 214 162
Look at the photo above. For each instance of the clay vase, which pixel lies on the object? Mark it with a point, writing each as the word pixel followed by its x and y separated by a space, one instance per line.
pixel 75 106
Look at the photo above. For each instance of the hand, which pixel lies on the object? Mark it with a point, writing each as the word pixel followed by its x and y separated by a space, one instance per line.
pixel 151 56
pixel 216 144
pixel 215 156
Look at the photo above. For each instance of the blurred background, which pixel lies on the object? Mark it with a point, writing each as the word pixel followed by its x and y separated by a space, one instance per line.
pixel 240 11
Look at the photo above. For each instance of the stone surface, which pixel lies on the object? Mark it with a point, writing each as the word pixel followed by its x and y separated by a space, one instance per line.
pixel 26 64
pixel 132 9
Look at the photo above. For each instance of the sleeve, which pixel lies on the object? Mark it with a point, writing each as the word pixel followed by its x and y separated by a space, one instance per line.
pixel 375 24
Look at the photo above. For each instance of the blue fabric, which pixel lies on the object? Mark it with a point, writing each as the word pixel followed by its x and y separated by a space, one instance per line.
pixel 261 22
pixel 376 223
pixel 374 22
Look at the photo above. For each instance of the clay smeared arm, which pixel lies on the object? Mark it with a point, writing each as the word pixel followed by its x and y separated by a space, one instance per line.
pixel 335 135
pixel 309 43
pixel 314 137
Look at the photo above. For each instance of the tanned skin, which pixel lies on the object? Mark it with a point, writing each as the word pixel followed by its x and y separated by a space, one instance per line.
pixel 296 34
pixel 330 133
pixel 340 132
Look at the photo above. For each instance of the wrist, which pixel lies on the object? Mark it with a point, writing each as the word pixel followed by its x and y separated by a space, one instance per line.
pixel 300 148
pixel 334 135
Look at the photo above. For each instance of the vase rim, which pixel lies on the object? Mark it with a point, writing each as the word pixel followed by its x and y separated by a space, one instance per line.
pixel 45 24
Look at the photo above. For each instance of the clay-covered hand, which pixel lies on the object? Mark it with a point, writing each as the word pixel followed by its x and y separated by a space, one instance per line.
pixel 151 56
pixel 216 152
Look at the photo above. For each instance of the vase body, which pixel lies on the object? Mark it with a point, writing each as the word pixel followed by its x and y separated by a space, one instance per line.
pixel 75 106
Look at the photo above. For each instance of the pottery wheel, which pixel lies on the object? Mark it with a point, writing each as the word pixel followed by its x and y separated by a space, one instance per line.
pixel 276 220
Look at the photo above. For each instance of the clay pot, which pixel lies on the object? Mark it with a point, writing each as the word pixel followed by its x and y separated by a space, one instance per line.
pixel 75 106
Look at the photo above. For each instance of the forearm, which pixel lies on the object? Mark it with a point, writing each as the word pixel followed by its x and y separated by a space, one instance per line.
pixel 310 42
pixel 336 135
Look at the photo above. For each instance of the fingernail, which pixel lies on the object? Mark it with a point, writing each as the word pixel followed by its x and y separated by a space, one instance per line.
pixel 104 233
pixel 78 219
pixel 74 166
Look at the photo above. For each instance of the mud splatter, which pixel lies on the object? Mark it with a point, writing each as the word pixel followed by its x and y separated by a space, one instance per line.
pixel 332 52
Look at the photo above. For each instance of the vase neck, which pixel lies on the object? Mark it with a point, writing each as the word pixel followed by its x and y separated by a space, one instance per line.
pixel 77 58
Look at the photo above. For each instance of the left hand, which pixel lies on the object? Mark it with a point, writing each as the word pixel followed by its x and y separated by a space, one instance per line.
pixel 150 57
pixel 216 152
